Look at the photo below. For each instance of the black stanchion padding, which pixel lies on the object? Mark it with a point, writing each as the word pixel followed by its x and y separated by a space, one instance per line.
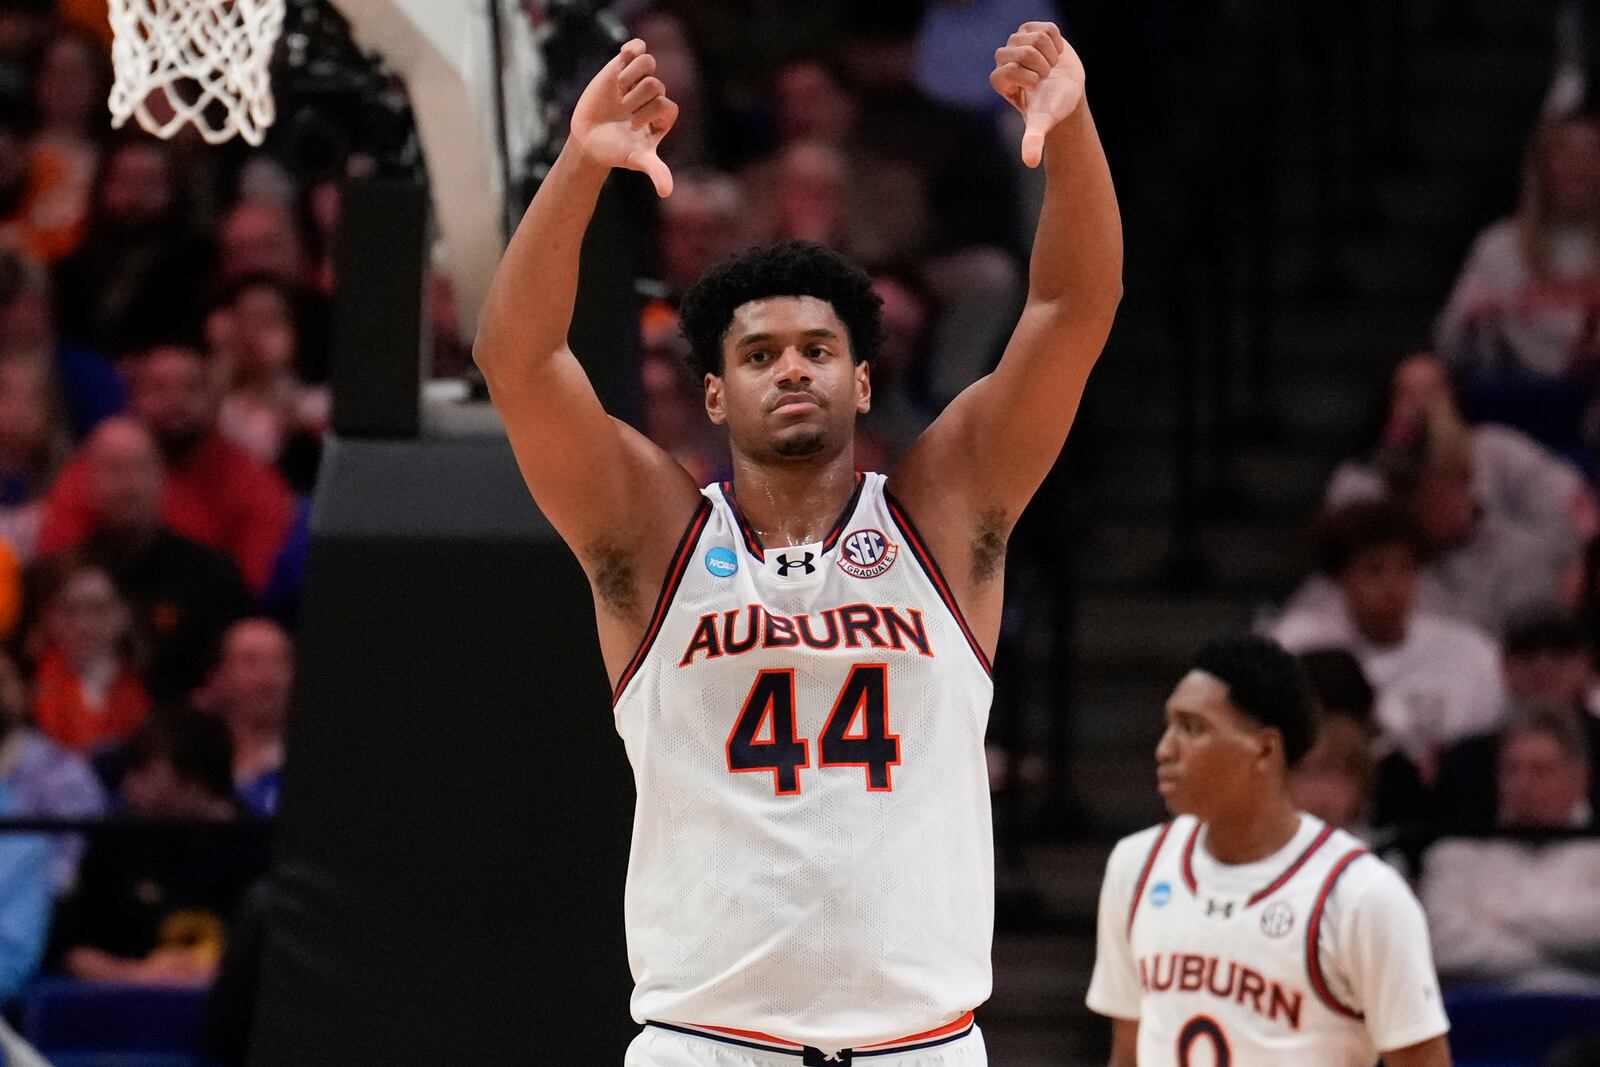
pixel 453 835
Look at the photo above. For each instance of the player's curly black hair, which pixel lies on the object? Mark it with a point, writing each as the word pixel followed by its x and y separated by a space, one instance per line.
pixel 1266 684
pixel 792 268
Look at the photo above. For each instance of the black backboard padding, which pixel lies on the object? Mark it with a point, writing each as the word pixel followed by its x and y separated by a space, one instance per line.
pixel 454 827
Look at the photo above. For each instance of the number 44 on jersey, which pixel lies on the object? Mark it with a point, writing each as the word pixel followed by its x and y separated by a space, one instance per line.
pixel 766 738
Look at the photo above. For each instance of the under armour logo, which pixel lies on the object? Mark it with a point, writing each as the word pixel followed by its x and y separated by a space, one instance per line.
pixel 784 563
pixel 1212 907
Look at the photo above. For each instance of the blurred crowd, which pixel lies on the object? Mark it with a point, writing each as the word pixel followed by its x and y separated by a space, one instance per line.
pixel 163 360
pixel 164 321
pixel 1451 628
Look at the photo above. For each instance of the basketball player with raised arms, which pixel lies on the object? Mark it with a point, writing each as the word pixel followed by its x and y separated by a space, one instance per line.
pixel 800 656
pixel 1245 933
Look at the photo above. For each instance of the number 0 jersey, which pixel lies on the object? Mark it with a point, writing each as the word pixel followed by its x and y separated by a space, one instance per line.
pixel 812 854
pixel 1318 954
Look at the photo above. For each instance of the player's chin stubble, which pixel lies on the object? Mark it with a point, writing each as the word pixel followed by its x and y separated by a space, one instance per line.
pixel 800 446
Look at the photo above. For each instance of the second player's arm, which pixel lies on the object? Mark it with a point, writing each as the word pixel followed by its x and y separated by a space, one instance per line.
pixel 1434 1052
pixel 1124 1043
pixel 1114 988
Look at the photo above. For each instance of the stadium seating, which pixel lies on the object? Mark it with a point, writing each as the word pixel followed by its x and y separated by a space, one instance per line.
pixel 1492 1027
pixel 82 1024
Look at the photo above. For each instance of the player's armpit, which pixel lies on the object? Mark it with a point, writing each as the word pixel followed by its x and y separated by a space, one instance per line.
pixel 971 474
pixel 1434 1052
pixel 1124 1043
pixel 617 499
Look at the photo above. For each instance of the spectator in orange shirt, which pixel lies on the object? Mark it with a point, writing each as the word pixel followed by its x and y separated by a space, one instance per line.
pixel 69 94
pixel 89 690
pixel 215 492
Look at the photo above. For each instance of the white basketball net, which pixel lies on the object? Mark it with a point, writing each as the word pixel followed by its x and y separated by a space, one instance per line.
pixel 200 62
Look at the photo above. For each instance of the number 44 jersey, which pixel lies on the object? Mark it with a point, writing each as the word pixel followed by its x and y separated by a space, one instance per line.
pixel 812 855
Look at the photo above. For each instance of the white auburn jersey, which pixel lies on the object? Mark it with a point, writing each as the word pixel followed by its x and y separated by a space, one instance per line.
pixel 1318 954
pixel 812 854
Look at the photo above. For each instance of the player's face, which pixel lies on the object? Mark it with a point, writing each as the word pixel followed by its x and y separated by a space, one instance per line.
pixel 1211 759
pixel 789 389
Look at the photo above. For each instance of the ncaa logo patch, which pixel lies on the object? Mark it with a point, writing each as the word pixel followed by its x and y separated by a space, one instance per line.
pixel 1160 894
pixel 866 553
pixel 1277 920
pixel 722 562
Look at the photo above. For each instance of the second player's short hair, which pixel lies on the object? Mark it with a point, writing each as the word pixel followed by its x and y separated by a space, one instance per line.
pixel 1265 683
pixel 1347 532
pixel 792 268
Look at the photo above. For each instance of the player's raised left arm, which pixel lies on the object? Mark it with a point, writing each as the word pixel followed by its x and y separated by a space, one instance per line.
pixel 995 442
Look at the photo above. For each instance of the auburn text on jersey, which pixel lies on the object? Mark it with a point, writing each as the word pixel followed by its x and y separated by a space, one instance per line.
pixel 1186 972
pixel 732 633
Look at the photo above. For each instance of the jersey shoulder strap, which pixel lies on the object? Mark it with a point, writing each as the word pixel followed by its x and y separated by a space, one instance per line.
pixel 1319 983
pixel 1146 868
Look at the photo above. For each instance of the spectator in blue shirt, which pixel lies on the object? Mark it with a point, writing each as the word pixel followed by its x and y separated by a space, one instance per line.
pixel 249 691
pixel 24 902
pixel 43 779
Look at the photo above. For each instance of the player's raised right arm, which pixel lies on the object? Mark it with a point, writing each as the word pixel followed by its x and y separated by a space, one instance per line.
pixel 605 488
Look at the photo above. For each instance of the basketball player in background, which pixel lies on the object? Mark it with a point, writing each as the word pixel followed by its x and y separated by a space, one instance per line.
pixel 1244 932
pixel 802 690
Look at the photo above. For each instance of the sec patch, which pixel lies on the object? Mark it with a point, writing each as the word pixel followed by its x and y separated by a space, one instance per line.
pixel 866 553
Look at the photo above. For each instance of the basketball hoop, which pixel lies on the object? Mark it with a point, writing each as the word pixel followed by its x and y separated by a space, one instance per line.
pixel 197 62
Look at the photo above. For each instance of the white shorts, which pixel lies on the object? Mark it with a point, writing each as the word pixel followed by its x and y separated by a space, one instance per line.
pixel 658 1045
